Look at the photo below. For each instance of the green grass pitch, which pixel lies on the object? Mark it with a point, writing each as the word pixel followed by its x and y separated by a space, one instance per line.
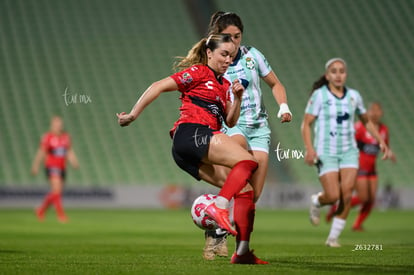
pixel 167 242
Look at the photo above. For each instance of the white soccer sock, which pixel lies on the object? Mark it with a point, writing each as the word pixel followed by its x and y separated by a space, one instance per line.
pixel 222 202
pixel 337 226
pixel 315 199
pixel 242 247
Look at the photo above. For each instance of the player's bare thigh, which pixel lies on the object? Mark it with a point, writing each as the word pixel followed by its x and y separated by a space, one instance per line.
pixel 223 150
pixel 56 184
pixel 217 174
pixel 259 176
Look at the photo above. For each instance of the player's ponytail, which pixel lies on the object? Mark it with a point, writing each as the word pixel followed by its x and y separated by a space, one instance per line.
pixel 198 53
pixel 319 83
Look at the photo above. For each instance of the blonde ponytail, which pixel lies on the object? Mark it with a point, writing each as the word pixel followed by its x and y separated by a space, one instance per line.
pixel 198 53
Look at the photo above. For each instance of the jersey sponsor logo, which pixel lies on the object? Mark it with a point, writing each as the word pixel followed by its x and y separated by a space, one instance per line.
pixel 334 134
pixel 215 108
pixel 59 152
pixel 368 135
pixel 244 82
pixel 369 149
pixel 342 117
pixel 209 85
pixel 186 78
pixel 249 63
pixel 230 72
pixel 248 106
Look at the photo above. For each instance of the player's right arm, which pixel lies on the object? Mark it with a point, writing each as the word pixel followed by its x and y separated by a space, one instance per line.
pixel 310 154
pixel 312 111
pixel 391 154
pixel 40 155
pixel 165 85
pixel 374 132
pixel 233 111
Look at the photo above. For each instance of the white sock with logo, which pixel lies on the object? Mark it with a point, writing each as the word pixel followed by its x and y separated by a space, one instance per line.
pixel 337 226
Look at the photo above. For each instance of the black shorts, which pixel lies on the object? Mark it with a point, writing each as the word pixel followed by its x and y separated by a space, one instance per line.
pixel 54 171
pixel 366 173
pixel 190 145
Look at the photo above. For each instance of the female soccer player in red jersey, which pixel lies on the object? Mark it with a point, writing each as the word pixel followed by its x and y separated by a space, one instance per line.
pixel 252 132
pixel 55 148
pixel 197 141
pixel 367 179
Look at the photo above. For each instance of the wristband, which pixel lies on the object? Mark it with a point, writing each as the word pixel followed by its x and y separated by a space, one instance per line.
pixel 283 109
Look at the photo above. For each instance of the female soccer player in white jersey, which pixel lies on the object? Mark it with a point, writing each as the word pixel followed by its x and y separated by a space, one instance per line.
pixel 252 132
pixel 332 107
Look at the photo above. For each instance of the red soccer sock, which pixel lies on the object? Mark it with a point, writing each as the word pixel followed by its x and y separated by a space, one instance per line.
pixel 58 205
pixel 49 198
pixel 355 201
pixel 237 178
pixel 363 214
pixel 244 211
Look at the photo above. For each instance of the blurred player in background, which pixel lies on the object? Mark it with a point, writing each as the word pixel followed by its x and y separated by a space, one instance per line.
pixel 252 132
pixel 54 149
pixel 197 141
pixel 367 179
pixel 332 106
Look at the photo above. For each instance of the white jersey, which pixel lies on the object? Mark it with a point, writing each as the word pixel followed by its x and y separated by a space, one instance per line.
pixel 334 125
pixel 248 67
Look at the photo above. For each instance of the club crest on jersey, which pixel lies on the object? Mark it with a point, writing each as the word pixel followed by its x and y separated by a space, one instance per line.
pixel 249 63
pixel 353 102
pixel 186 78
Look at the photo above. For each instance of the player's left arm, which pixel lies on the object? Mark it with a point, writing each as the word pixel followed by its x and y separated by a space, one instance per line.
pixel 72 158
pixel 233 108
pixel 391 155
pixel 279 93
pixel 374 132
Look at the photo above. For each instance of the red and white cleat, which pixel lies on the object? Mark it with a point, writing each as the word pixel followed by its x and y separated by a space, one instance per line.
pixel 221 217
pixel 248 258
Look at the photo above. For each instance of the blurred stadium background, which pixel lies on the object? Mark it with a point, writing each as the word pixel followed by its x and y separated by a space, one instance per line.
pixel 87 60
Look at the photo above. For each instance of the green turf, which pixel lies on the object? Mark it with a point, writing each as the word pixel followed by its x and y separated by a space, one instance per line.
pixel 166 242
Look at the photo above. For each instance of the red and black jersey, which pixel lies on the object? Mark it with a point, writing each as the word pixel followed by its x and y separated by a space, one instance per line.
pixel 56 147
pixel 368 146
pixel 203 97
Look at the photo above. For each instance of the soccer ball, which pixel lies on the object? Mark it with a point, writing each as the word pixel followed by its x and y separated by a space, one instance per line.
pixel 198 212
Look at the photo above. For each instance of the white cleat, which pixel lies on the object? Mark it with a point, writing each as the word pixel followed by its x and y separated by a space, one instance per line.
pixel 314 212
pixel 215 246
pixel 208 251
pixel 332 243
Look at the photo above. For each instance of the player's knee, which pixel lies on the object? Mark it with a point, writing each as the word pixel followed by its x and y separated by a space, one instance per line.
pixel 331 198
pixel 366 198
